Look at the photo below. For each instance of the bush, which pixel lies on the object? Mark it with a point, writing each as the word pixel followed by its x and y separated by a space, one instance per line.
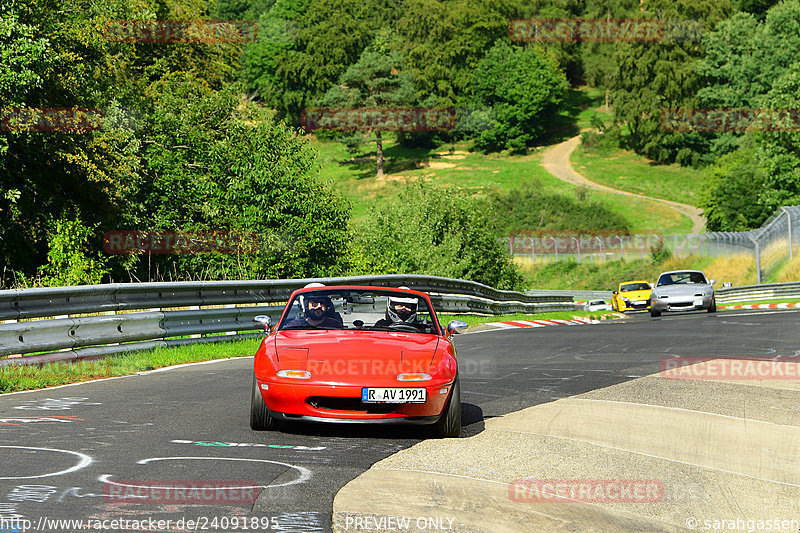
pixel 601 143
pixel 529 209
pixel 437 232
pixel 69 260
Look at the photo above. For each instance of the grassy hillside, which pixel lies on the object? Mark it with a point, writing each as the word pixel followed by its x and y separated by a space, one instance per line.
pixel 627 171
pixel 454 165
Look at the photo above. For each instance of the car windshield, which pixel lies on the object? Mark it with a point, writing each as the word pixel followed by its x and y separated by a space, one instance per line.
pixel 359 309
pixel 635 287
pixel 681 277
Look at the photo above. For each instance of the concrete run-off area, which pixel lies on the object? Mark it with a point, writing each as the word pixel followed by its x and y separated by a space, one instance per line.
pixel 650 454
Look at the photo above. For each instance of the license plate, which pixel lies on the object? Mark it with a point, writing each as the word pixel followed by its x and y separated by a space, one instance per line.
pixel 640 302
pixel 393 395
pixel 698 301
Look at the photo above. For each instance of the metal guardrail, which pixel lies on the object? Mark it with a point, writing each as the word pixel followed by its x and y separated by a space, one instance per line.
pixel 130 317
pixel 770 291
pixel 577 295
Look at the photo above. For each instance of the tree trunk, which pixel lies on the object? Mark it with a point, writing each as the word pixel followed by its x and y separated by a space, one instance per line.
pixel 379 149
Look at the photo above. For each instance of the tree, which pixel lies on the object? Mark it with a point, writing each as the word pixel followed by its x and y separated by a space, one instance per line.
pixel 779 150
pixel 742 61
pixel 442 43
pixel 306 45
pixel 214 163
pixel 523 88
pixel 376 80
pixel 655 76
pixel 730 199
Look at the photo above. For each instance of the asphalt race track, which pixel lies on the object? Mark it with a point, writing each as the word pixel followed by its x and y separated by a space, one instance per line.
pixel 172 450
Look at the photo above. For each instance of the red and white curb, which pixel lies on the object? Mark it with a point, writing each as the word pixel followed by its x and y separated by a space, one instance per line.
pixel 763 306
pixel 576 321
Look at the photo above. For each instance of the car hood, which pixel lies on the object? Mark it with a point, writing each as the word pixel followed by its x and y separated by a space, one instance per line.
pixel 635 295
pixel 682 289
pixel 373 352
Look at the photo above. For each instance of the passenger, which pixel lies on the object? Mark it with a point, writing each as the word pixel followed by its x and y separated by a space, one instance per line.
pixel 400 310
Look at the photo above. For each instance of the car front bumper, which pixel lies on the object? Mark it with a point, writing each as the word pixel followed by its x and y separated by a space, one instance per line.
pixel 682 303
pixel 342 403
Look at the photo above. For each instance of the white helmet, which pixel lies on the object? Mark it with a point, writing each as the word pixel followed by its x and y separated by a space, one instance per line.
pixel 409 312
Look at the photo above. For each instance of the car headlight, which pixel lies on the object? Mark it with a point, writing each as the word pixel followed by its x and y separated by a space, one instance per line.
pixel 413 376
pixel 295 374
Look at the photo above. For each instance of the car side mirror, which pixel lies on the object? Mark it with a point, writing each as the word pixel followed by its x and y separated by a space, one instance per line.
pixel 615 292
pixel 711 282
pixel 456 326
pixel 652 286
pixel 262 321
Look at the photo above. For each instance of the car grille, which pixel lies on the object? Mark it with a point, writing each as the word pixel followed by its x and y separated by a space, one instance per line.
pixel 339 403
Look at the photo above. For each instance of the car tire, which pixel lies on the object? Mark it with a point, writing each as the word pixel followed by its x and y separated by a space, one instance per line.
pixel 261 418
pixel 449 424
pixel 654 313
pixel 713 307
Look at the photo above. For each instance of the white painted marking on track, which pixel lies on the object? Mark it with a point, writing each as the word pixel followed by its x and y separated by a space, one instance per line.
pixel 305 473
pixel 85 461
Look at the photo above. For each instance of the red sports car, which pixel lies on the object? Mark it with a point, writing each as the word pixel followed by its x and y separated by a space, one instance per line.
pixel 357 354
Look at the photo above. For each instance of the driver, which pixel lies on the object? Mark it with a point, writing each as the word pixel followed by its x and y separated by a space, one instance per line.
pixel 400 310
pixel 317 313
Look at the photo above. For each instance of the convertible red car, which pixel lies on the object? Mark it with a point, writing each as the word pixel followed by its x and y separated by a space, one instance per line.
pixel 351 354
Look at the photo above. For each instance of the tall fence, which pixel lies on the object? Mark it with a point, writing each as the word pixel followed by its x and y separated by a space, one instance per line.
pixel 771 245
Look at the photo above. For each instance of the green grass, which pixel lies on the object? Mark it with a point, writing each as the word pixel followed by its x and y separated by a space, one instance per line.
pixel 627 171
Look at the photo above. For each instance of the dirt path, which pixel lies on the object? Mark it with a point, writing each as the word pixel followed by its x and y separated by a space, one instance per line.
pixel 556 161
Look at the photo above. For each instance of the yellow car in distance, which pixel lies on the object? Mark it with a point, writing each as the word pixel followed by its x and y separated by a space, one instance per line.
pixel 632 296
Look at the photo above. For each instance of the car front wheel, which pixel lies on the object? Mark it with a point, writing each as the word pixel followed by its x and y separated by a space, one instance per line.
pixel 260 417
pixel 713 307
pixel 654 313
pixel 449 424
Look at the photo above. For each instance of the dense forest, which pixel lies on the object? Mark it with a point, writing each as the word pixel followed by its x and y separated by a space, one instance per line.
pixel 202 133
